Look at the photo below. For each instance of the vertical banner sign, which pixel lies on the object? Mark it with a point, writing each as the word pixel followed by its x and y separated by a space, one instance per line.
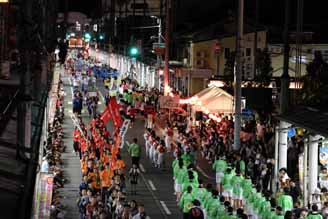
pixel 44 197
pixel 301 169
pixel 324 156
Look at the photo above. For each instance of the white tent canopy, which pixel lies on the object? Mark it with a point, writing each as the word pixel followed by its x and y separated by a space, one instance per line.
pixel 214 100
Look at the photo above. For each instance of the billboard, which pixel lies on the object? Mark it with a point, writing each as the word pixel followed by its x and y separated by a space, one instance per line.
pixel 168 102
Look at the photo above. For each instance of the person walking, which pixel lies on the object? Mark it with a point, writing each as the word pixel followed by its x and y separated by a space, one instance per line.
pixel 134 173
pixel 135 152
pixel 186 202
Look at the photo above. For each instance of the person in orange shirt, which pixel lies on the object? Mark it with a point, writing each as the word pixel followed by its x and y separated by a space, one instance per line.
pixel 106 157
pixel 92 154
pixel 94 179
pixel 84 164
pixel 119 162
pixel 83 146
pixel 106 179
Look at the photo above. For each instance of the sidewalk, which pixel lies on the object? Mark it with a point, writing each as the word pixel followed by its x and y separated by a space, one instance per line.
pixel 71 162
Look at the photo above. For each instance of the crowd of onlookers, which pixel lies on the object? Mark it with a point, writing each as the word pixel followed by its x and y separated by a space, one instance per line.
pixel 53 147
pixel 213 140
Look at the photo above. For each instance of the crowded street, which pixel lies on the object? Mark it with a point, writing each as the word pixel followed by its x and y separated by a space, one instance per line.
pixel 163 109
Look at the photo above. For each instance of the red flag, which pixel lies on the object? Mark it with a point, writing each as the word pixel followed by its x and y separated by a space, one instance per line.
pixel 105 116
pixel 114 109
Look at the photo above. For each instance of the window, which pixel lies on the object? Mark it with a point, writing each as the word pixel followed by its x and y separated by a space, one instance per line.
pixel 226 52
pixel 248 51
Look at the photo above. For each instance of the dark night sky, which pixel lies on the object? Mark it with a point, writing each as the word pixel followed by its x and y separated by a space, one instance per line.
pixel 210 11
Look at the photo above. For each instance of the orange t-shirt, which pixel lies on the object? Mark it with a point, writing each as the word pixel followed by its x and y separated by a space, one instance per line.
pixel 84 166
pixel 120 164
pixel 106 178
pixel 106 159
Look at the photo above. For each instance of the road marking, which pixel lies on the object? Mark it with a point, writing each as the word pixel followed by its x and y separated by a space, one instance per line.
pixel 203 172
pixel 70 83
pixel 154 196
pixel 166 209
pixel 70 111
pixel 142 168
pixel 99 102
pixel 69 102
pixel 102 96
pixel 152 186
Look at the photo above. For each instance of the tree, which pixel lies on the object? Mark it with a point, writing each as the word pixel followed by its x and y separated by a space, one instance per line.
pixel 263 67
pixel 315 88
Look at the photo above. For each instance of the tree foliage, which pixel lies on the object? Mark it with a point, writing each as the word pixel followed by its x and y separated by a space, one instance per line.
pixel 315 89
pixel 263 67
pixel 229 68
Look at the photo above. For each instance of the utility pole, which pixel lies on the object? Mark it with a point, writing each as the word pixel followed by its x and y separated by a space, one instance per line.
pixel 255 35
pixel 167 48
pixel 159 20
pixel 284 88
pixel 238 72
pixel 24 107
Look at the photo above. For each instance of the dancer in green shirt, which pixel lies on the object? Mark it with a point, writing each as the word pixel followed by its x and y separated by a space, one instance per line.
pixel 220 166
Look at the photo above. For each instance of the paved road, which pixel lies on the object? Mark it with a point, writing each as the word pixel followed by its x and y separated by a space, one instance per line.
pixel 155 189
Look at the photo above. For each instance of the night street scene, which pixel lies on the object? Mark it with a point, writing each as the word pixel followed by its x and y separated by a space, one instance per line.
pixel 163 109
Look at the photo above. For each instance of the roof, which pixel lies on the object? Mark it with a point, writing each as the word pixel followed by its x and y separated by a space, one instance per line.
pixel 224 28
pixel 314 120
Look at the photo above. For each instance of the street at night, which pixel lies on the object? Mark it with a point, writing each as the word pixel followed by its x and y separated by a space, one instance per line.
pixel 150 109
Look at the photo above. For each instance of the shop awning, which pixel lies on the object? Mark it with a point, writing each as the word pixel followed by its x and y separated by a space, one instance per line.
pixel 314 120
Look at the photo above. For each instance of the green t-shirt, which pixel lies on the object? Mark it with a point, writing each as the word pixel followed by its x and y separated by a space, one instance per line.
pixel 187 159
pixel 200 194
pixel 212 211
pixel 130 98
pixel 180 174
pixel 314 216
pixel 220 166
pixel 236 183
pixel 134 150
pixel 286 202
pixel 226 181
pixel 279 217
pixel 186 202
pixel 194 184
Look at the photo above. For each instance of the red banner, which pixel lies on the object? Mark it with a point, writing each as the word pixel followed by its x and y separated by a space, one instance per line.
pixel 106 115
pixel 114 109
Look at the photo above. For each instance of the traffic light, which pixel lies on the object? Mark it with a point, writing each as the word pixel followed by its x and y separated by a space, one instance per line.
pixel 134 51
pixel 101 37
pixel 87 36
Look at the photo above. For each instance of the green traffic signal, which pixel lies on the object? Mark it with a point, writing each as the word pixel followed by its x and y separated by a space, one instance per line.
pixel 134 51
pixel 101 37
pixel 87 36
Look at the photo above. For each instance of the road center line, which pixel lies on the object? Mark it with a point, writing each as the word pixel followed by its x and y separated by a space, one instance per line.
pixel 166 209
pixel 70 83
pixel 152 186
pixel 142 168
pixel 101 95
